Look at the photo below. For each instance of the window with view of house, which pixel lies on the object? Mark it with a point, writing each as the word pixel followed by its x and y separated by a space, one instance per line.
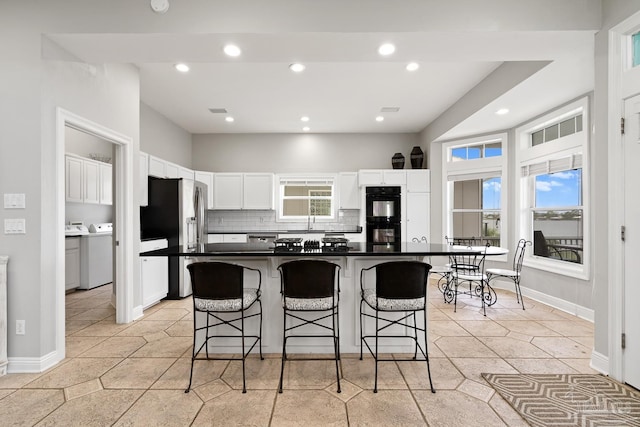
pixel 475 175
pixel 303 198
pixel 553 175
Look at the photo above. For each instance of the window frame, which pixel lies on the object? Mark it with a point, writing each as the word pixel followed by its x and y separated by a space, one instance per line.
pixel 320 179
pixel 471 169
pixel 576 144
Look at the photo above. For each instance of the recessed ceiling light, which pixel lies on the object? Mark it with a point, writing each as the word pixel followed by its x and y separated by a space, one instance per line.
pixel 304 118
pixel 232 50
pixel 502 111
pixel 229 119
pixel 297 67
pixel 412 66
pixel 306 128
pixel 379 119
pixel 386 49
pixel 182 67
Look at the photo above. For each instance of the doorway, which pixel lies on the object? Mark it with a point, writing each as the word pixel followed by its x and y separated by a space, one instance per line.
pixel 631 290
pixel 123 253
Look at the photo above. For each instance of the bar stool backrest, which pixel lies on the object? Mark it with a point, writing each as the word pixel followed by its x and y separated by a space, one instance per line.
pixel 308 279
pixel 402 279
pixel 216 280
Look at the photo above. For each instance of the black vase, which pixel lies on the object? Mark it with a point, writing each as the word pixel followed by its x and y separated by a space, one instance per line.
pixel 397 161
pixel 417 156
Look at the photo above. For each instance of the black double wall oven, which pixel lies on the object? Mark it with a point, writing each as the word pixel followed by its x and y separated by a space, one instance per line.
pixel 383 216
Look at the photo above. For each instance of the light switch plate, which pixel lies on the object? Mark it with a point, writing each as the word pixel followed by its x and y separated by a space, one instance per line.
pixel 14 201
pixel 15 226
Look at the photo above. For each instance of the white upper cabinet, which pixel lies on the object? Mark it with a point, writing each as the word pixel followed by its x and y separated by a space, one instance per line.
pixel 349 191
pixel 419 180
pixel 157 167
pixel 227 191
pixel 74 182
pixel 106 184
pixel 258 191
pixel 172 170
pixel 91 182
pixel 382 177
pixel 185 173
pixel 144 182
pixel 87 181
pixel 243 191
pixel 206 178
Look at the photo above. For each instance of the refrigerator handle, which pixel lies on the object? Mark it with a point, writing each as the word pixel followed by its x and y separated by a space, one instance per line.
pixel 199 211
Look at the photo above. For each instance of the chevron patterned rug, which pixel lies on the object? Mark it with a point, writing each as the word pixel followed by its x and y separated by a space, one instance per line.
pixel 568 399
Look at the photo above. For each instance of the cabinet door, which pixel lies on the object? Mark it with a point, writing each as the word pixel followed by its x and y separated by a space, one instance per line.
pixel 157 167
pixel 154 276
pixel 72 263
pixel 91 182
pixel 419 180
pixel 257 191
pixel 349 191
pixel 106 184
pixel 418 207
pixel 370 177
pixel 394 177
pixel 206 178
pixel 185 173
pixel 172 170
pixel 144 182
pixel 73 179
pixel 227 191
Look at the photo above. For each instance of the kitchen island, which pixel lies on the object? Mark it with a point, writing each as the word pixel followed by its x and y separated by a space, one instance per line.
pixel 351 259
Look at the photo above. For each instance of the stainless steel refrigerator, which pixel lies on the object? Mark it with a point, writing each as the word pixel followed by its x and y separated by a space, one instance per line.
pixel 177 212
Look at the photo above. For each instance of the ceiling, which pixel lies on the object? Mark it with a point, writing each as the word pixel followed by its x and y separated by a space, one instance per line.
pixel 346 82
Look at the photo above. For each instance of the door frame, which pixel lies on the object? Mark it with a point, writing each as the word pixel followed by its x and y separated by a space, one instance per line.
pixel 123 217
pixel 617 93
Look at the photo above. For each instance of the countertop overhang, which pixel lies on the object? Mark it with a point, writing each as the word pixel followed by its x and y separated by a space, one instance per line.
pixel 355 250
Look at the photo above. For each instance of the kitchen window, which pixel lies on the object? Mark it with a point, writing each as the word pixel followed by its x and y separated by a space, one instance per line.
pixel 554 190
pixel 475 195
pixel 302 199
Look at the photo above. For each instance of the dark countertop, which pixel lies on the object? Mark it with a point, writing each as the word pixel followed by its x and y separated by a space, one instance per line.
pixel 303 231
pixel 267 250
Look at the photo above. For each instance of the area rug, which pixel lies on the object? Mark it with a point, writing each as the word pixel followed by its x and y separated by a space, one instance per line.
pixel 568 399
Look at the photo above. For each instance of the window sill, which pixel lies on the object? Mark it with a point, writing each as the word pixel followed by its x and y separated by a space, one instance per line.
pixel 563 268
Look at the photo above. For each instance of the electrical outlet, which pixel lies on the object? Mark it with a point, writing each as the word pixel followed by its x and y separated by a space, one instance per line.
pixel 20 327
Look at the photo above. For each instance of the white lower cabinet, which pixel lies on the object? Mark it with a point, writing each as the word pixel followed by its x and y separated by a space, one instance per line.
pixel 154 273
pixel 71 263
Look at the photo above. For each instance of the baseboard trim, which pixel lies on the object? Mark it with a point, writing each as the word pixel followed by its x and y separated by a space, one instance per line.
pixel 566 306
pixel 137 312
pixel 600 362
pixel 32 364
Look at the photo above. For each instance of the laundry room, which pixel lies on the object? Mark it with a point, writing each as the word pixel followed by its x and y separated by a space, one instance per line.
pixel 88 211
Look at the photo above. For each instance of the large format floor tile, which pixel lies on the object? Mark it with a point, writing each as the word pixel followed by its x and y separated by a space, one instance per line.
pixel 136 374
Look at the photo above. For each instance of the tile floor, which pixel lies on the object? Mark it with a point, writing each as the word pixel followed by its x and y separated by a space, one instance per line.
pixel 135 374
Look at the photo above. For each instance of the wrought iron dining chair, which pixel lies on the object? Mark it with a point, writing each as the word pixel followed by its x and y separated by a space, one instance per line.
pixel 469 269
pixel 401 288
pixel 514 273
pixel 219 292
pixel 310 286
pixel 442 273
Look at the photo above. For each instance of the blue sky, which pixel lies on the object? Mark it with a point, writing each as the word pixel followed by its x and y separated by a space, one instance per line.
pixel 559 189
pixel 552 190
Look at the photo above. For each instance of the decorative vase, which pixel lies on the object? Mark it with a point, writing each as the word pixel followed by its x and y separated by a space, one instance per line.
pixel 397 161
pixel 417 156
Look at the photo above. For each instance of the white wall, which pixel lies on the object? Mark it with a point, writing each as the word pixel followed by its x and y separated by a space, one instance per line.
pixel 162 138
pixel 285 153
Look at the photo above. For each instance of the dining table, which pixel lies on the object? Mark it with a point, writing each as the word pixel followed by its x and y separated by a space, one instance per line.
pixel 484 289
